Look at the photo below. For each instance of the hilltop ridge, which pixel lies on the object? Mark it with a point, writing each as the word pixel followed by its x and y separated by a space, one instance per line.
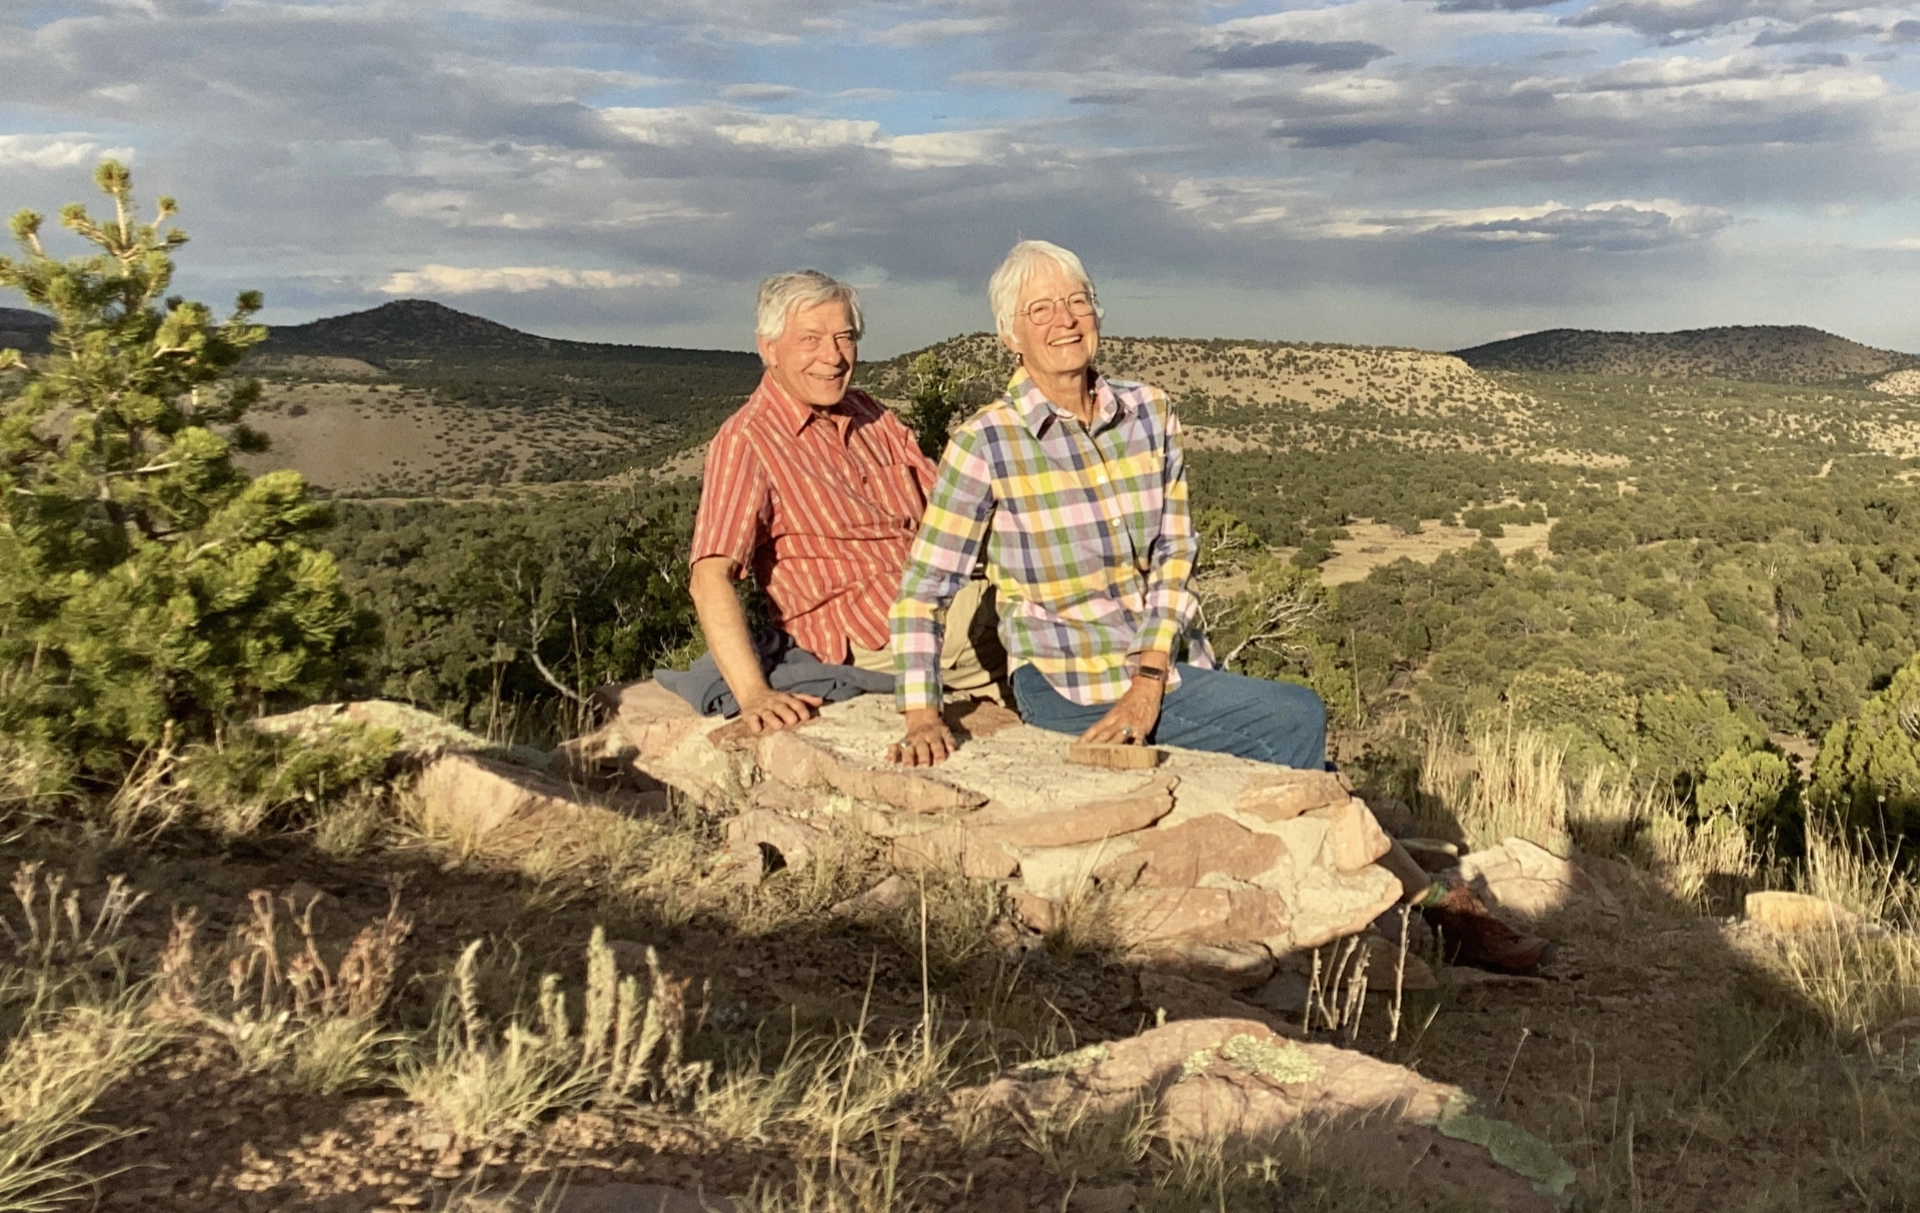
pixel 1756 353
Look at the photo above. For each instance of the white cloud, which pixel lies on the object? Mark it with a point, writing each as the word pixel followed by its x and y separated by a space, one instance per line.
pixel 517 279
pixel 55 151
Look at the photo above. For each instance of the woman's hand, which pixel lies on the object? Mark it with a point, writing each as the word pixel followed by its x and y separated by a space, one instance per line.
pixel 928 741
pixel 1131 720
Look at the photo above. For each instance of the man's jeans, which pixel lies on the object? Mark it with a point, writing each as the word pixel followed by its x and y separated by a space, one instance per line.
pixel 1277 722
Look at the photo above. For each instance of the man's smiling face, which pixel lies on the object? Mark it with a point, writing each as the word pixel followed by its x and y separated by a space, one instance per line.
pixel 813 359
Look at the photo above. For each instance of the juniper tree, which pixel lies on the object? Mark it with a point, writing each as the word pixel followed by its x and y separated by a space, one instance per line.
pixel 147 585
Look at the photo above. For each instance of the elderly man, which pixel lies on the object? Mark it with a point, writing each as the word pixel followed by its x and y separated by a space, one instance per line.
pixel 817 491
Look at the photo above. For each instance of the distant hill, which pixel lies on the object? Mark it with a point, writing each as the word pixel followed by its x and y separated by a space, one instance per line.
pixel 402 324
pixel 411 328
pixel 24 330
pixel 1761 353
pixel 415 396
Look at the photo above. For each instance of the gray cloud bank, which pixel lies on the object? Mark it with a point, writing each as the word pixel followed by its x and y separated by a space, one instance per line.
pixel 340 155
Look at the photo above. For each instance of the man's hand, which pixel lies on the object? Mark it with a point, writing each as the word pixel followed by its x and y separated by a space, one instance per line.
pixel 1130 720
pixel 775 710
pixel 928 741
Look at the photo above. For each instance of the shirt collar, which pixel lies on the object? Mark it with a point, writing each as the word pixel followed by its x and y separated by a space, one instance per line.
pixel 1108 406
pixel 795 415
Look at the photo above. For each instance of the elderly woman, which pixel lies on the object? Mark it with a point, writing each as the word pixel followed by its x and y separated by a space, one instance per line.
pixel 1076 485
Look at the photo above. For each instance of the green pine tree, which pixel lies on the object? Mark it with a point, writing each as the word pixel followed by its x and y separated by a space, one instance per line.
pixel 148 587
pixel 1868 771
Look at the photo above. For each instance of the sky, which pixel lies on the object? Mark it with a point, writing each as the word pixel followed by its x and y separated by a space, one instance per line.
pixel 1403 172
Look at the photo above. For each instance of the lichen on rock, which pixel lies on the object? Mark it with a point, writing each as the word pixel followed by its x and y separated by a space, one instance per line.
pixel 1275 1060
pixel 1510 1145
pixel 1064 1063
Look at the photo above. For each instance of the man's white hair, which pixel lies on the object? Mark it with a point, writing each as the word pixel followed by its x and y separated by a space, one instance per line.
pixel 782 293
pixel 1030 257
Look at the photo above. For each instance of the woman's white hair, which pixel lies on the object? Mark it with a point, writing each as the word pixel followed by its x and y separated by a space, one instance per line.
pixel 1028 258
pixel 782 293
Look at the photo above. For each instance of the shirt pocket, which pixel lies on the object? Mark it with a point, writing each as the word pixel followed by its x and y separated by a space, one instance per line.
pixel 896 490
pixel 1135 498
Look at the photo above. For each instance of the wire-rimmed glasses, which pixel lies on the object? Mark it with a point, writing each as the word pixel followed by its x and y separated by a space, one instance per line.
pixel 1042 311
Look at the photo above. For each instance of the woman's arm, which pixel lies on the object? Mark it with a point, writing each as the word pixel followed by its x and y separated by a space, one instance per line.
pixel 943 557
pixel 1171 604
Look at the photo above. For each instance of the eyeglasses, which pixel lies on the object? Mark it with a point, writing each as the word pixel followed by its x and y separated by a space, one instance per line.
pixel 1042 311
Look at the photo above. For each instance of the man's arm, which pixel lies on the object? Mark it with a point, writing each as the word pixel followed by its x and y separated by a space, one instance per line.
pixel 723 621
pixel 734 501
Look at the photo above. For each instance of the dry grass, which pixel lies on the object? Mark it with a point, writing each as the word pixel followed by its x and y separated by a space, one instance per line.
pixel 1511 782
pixel 74 1035
pixel 628 1045
pixel 287 1008
pixel 1863 981
pixel 54 1071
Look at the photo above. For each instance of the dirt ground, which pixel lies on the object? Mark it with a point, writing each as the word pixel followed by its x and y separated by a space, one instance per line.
pixel 1655 1053
pixel 1375 545
pixel 354 436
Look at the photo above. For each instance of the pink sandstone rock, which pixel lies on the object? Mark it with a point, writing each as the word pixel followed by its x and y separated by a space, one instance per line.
pixel 1200 915
pixel 471 797
pixel 1235 1085
pixel 1282 795
pixel 1038 913
pixel 1177 857
pixel 1520 877
pixel 792 759
pixel 1089 822
pixel 974 854
pixel 794 840
pixel 1354 840
pixel 1228 966
pixel 653 718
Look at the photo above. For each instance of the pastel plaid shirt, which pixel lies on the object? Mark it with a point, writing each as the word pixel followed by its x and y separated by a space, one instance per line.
pixel 1089 542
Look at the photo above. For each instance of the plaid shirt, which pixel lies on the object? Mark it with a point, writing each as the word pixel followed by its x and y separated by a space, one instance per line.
pixel 821 507
pixel 1089 542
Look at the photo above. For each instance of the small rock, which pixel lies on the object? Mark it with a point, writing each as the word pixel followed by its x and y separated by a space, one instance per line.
pixel 1520 877
pixel 890 894
pixel 434 1143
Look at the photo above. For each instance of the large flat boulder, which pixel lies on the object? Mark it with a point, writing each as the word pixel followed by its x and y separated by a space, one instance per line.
pixel 1236 1086
pixel 1203 852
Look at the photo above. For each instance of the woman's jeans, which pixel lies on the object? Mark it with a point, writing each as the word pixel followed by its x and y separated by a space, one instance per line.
pixel 1278 722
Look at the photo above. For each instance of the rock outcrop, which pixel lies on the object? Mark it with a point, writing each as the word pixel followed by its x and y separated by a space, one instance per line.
pixel 1236 1086
pixel 1204 855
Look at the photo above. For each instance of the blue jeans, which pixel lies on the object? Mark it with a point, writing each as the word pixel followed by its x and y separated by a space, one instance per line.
pixel 1278 722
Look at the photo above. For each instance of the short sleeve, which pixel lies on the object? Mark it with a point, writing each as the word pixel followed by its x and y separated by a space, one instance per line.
pixel 735 501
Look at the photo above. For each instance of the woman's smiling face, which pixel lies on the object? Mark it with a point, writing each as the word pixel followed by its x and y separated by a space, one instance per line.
pixel 1066 343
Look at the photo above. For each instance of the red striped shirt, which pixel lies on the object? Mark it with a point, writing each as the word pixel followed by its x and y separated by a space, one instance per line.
pixel 821 507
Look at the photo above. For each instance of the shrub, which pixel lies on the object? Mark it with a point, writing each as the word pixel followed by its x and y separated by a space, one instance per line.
pixel 1868 772
pixel 148 587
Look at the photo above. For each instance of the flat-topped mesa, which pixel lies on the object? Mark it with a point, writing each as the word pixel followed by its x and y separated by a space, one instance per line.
pixel 1203 853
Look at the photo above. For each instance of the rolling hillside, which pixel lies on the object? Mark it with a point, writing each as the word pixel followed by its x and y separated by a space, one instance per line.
pixel 1752 353
pixel 416 397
